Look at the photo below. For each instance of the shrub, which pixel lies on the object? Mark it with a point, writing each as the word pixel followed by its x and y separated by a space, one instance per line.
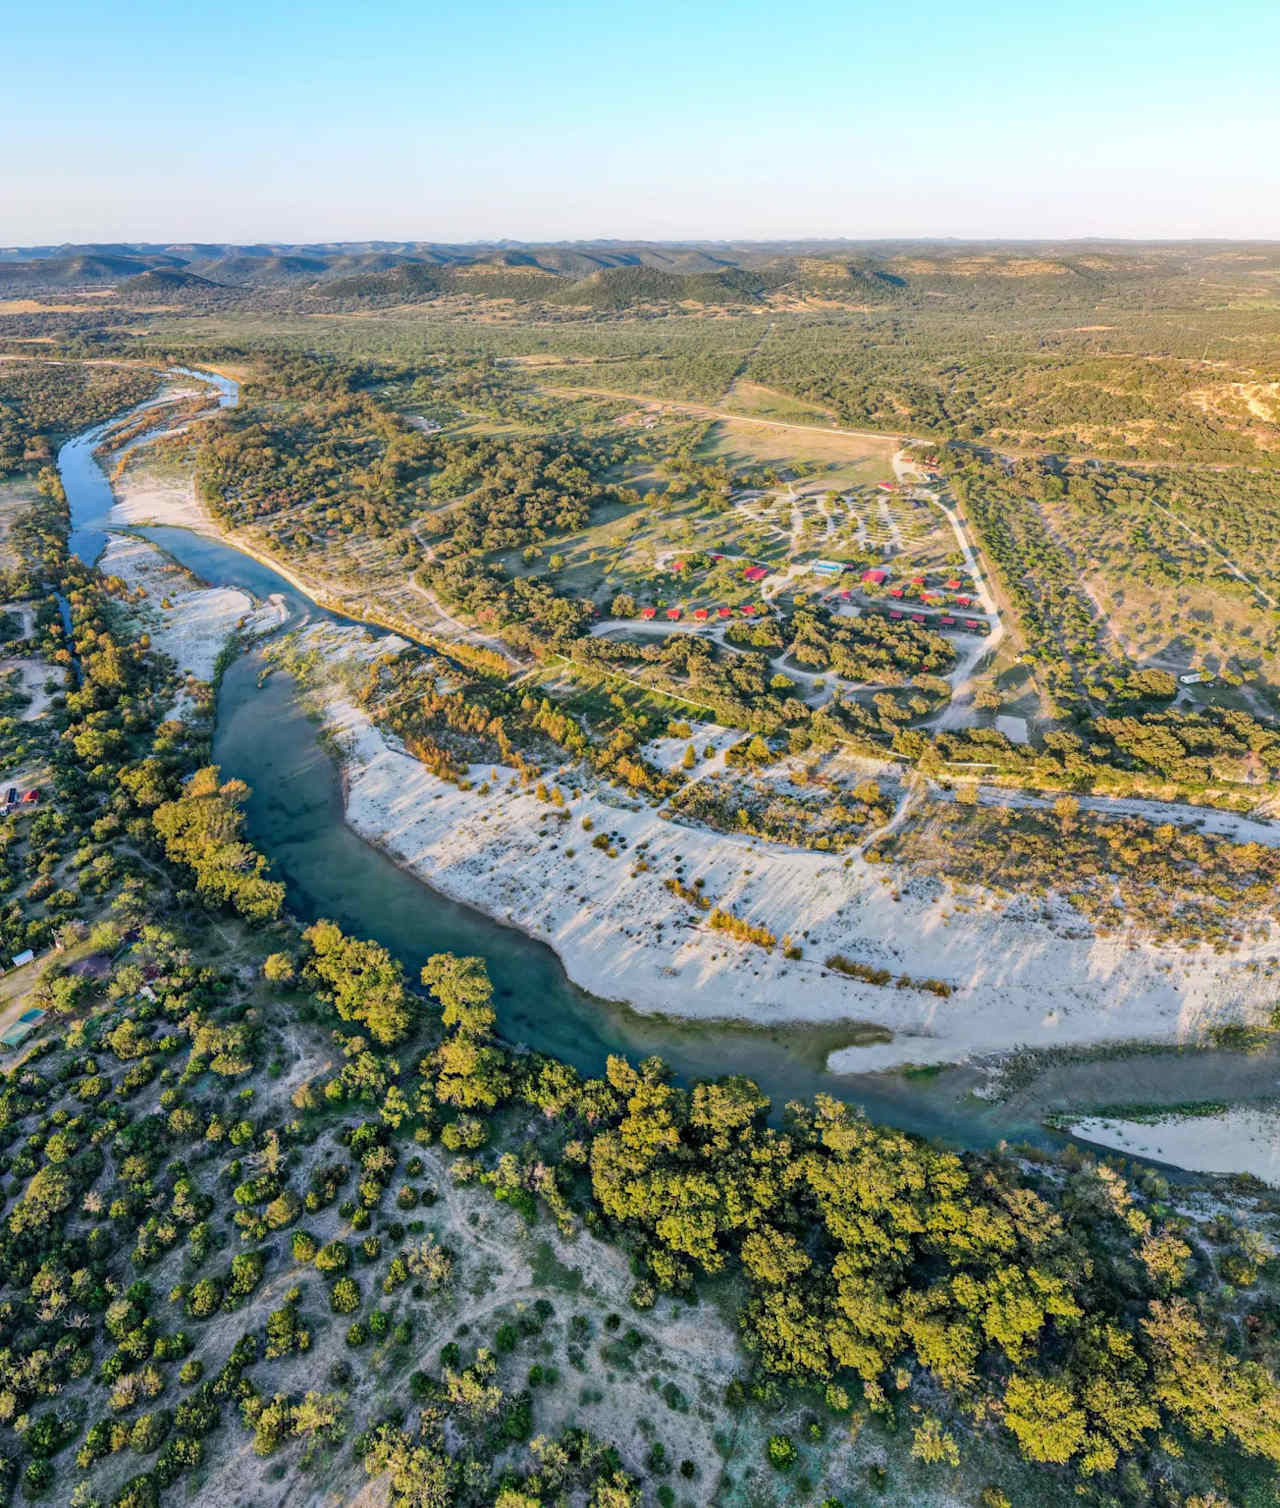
pixel 344 1296
pixel 781 1451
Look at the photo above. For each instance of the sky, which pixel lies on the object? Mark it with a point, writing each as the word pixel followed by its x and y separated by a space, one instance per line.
pixel 673 119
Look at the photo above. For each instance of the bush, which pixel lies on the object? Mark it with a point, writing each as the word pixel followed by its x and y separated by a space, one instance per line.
pixel 344 1296
pixel 781 1451
pixel 37 1479
pixel 334 1256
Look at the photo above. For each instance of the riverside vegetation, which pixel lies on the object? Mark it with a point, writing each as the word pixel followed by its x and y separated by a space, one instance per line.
pixel 263 1195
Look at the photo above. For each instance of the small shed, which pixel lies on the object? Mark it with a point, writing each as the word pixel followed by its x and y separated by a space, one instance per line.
pixel 724 612
pixel 673 614
pixel 648 612
pixel 700 614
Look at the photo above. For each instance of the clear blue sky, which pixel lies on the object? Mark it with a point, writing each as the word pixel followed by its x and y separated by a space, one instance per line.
pixel 672 119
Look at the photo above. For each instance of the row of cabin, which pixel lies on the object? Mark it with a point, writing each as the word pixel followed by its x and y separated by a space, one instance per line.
pixel 699 614
pixel 942 620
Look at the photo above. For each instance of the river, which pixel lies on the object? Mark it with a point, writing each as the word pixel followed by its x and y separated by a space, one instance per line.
pixel 264 736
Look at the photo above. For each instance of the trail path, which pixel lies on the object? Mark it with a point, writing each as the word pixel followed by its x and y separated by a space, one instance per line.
pixel 1232 565
pixel 710 411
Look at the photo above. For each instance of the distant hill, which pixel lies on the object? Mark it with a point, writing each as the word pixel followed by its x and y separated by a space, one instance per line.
pixel 164 282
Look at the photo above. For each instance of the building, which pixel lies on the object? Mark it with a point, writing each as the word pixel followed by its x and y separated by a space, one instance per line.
pixel 895 591
pixel 974 623
pixel 895 612
pixel 748 611
pixel 917 617
pixel 953 585
pixel 755 573
pixel 700 615
pixel 946 620
pixel 724 612
pixel 877 578
pixel 673 615
pixel 964 601
pixel 648 612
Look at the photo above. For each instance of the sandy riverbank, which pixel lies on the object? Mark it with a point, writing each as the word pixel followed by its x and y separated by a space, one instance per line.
pixel 147 496
pixel 1238 1141
pixel 186 621
pixel 1017 980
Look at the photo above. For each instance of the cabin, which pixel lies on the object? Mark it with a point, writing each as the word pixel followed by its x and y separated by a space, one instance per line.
pixel 700 615
pixel 31 798
pixel 895 612
pixel 973 623
pixel 648 613
pixel 876 578
pixel 25 957
pixel 748 611
pixel 895 591
pixel 673 614
pixel 946 620
pixel 953 585
pixel 917 617
pixel 755 573
pixel 846 596
pixel 677 565
pixel 964 601
pixel 717 558
pixel 12 798
pixel 888 486
pixel 917 581
pixel 724 612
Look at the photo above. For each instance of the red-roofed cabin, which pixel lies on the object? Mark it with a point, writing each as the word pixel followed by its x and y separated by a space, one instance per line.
pixel 748 611
pixel 888 486
pixel 700 614
pixel 946 620
pixel 845 596
pixel 964 601
pixel 895 591
pixel 755 573
pixel 953 585
pixel 972 623
pixel 917 617
pixel 895 612
pixel 673 615
pixel 677 565
pixel 648 612
pixel 875 578
pixel 31 797
pixel 717 557
pixel 724 612
pixel 917 581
